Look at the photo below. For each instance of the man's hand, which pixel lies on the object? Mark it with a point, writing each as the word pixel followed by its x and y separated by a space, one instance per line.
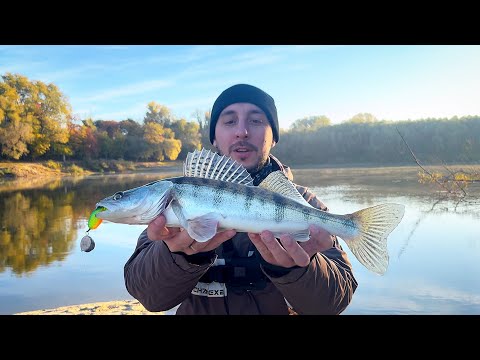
pixel 287 252
pixel 177 239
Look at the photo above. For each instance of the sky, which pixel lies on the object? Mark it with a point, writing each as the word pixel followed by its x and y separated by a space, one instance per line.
pixel 391 82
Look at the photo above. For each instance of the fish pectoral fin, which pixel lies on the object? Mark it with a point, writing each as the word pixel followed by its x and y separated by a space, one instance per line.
pixel 204 227
pixel 177 209
pixel 302 235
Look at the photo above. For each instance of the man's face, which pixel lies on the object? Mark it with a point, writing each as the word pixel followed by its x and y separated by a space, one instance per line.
pixel 244 133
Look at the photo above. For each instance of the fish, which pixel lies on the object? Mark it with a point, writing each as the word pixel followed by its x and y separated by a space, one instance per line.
pixel 216 193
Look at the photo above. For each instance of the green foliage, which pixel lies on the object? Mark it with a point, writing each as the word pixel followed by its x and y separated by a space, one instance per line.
pixel 171 148
pixel 433 140
pixel 36 122
pixel 159 114
pixel 15 136
pixel 311 123
pixel 75 170
pixel 53 165
pixel 122 166
pixel 203 120
pixel 93 165
pixel 108 166
pixel 7 173
pixel 189 135
pixel 34 117
pixel 362 118
pixel 83 141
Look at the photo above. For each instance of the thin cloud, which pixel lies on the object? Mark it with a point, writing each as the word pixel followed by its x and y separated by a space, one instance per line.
pixel 128 90
pixel 256 57
pixel 73 72
pixel 193 102
pixel 192 55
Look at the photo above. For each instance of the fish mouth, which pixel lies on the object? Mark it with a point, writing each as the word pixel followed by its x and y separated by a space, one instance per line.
pixel 100 209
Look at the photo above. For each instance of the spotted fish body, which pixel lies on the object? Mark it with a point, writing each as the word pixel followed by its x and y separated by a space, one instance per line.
pixel 216 193
pixel 248 209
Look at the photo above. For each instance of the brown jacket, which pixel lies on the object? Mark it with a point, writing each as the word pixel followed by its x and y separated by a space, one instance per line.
pixel 161 280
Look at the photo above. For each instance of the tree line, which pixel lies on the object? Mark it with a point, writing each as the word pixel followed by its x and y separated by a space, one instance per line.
pixel 434 141
pixel 36 123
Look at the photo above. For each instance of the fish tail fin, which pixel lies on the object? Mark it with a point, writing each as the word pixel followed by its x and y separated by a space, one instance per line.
pixel 375 224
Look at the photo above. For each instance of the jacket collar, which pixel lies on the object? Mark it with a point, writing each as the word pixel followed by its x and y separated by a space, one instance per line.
pixel 273 164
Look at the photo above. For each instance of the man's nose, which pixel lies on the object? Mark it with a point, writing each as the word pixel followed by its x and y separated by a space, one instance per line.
pixel 241 130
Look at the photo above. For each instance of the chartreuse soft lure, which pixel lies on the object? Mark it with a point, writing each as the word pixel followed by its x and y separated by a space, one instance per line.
pixel 93 221
pixel 87 244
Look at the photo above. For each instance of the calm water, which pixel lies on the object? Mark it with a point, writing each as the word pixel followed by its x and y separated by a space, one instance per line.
pixel 434 252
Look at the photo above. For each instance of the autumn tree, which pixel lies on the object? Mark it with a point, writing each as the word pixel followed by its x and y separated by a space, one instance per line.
pixel 83 140
pixel 189 134
pixel 362 118
pixel 310 123
pixel 16 129
pixel 161 142
pixel 111 139
pixel 34 117
pixel 203 120
pixel 160 138
pixel 159 114
pixel 134 145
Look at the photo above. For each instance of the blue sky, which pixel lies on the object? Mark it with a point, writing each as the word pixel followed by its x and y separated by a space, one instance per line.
pixel 392 82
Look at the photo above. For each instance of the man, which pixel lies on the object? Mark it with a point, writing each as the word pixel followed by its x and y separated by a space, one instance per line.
pixel 239 273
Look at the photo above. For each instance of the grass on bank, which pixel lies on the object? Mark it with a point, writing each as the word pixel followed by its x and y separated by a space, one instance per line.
pixel 16 170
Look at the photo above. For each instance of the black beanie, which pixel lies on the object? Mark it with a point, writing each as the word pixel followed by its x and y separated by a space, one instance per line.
pixel 243 93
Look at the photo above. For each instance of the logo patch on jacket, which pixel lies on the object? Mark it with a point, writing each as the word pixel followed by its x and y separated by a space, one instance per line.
pixel 213 289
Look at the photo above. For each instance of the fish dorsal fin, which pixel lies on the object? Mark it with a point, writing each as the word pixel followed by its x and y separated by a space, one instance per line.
pixel 278 182
pixel 209 165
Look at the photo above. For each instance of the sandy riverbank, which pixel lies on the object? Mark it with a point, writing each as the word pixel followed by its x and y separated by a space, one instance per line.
pixel 123 307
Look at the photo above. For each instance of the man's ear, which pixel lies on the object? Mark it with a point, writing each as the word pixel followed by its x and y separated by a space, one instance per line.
pixel 214 143
pixel 273 144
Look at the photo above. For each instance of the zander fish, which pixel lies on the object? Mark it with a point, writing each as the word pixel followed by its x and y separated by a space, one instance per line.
pixel 216 193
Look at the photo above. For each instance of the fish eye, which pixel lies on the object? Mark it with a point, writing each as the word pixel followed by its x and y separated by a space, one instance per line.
pixel 118 195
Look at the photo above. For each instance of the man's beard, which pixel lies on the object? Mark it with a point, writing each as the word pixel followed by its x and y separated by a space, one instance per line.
pixel 260 164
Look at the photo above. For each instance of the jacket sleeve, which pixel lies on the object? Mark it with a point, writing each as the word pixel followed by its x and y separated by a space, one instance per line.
pixel 160 279
pixel 325 286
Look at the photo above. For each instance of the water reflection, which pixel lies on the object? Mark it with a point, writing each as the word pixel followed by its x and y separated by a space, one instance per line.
pixel 39 224
pixel 434 252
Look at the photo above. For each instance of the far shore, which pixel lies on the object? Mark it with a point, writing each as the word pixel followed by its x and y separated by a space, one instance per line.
pixel 33 175
pixel 35 170
pixel 40 170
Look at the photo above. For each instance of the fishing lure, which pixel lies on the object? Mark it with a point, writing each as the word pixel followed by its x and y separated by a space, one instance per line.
pixel 87 244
